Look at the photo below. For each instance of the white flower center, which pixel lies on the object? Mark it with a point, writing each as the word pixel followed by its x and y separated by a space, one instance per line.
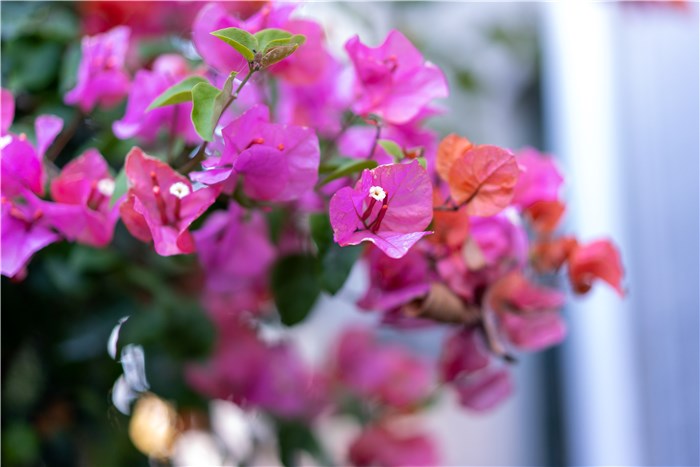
pixel 179 190
pixel 377 193
pixel 106 186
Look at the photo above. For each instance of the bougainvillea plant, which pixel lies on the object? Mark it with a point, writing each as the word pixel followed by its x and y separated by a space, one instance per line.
pixel 277 166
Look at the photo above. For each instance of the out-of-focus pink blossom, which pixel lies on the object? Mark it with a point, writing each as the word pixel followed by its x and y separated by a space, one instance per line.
pixel 539 180
pixel 319 104
pixel 82 193
pixel 391 445
pixel 147 86
pixel 463 353
pixel 161 204
pixel 390 206
pixel 395 282
pixel 534 331
pixel 102 80
pixel 245 369
pixel 485 389
pixel 393 80
pixel 275 162
pixel 7 110
pixel 235 253
pixel 386 373
pixel 501 243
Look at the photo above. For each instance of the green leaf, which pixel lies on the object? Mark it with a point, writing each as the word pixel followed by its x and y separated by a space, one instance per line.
pixel 392 148
pixel 295 286
pixel 208 103
pixel 349 168
pixel 243 41
pixel 293 438
pixel 321 232
pixel 335 262
pixel 120 187
pixel 336 265
pixel 421 160
pixel 266 36
pixel 178 93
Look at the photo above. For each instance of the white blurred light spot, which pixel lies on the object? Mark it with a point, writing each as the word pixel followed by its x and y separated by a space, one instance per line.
pixel 114 338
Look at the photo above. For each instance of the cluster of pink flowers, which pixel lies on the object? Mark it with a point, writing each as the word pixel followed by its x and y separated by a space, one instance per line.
pixel 455 234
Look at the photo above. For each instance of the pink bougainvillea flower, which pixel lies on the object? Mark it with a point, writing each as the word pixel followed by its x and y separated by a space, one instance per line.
pixel 485 389
pixel 393 80
pixel 539 180
pixel 22 161
pixel 249 371
pixel 390 445
pixel 412 137
pixel 319 105
pixel 25 231
pixel 102 80
pixel 161 204
pixel 451 148
pixel 544 216
pixel 463 352
pixel 390 206
pixel 7 110
pixel 275 162
pixel 395 282
pixel 386 373
pixel 25 226
pixel 595 260
pixel 82 193
pixel 147 86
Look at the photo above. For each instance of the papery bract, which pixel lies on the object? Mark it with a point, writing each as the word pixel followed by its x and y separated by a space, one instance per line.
pixel 451 148
pixel 596 260
pixel 382 444
pixel 451 227
pixel 147 86
pixel 102 80
pixel 275 162
pixel 484 179
pixel 163 201
pixel 393 223
pixel 393 80
pixel 386 373
pixel 548 255
pixel 82 193
pixel 545 216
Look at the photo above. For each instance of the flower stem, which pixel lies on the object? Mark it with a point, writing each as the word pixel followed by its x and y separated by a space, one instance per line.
pixel 199 157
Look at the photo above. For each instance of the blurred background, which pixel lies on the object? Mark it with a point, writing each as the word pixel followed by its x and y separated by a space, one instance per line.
pixel 611 89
